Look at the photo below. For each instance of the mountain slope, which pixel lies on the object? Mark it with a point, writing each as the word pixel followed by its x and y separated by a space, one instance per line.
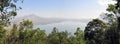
pixel 39 20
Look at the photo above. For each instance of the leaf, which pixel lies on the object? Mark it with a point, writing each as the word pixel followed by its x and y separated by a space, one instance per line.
pixel 12 5
pixel 13 13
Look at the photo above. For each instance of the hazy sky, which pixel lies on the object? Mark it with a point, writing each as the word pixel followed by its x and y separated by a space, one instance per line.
pixel 71 9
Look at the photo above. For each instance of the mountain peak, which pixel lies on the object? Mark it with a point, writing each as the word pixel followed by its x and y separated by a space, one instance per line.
pixel 36 19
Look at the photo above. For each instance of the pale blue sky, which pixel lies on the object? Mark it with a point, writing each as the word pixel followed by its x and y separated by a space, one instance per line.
pixel 71 9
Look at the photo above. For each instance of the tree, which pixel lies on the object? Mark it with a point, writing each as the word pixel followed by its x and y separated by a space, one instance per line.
pixel 53 37
pixel 7 11
pixel 35 36
pixel 39 36
pixel 111 33
pixel 63 37
pixel 2 34
pixel 25 30
pixel 78 37
pixel 94 32
pixel 12 38
pixel 114 9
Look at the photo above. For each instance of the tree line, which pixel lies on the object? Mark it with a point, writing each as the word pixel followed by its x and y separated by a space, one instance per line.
pixel 24 33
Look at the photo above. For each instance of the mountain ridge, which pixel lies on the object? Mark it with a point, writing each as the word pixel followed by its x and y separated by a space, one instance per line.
pixel 40 20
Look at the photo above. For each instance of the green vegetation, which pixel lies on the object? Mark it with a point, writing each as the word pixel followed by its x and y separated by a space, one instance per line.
pixel 99 32
pixel 96 32
pixel 23 33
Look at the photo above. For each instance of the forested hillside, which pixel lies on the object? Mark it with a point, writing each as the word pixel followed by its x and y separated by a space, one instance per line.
pixel 98 31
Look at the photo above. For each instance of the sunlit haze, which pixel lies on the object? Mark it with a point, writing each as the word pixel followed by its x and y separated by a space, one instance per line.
pixel 70 9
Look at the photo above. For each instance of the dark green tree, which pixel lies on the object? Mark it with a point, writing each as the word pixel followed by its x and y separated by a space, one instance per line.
pixel 94 32
pixel 113 33
pixel 25 28
pixel 78 37
pixel 53 37
pixel 63 37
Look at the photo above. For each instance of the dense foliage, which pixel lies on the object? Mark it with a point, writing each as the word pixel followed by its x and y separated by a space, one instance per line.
pixel 23 33
pixel 109 33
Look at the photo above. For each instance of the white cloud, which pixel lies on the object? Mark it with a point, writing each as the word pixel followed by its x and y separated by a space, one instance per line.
pixel 105 2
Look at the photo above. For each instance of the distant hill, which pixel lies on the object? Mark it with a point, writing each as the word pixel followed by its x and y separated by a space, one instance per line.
pixel 39 20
